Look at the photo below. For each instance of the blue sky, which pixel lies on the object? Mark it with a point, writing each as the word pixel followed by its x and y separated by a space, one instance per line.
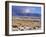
pixel 26 11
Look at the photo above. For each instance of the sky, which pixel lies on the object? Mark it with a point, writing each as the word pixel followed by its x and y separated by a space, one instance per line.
pixel 26 11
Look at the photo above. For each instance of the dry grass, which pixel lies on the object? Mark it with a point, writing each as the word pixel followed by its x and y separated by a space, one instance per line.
pixel 29 23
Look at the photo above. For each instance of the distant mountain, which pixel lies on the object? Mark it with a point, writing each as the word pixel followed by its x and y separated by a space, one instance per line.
pixel 27 14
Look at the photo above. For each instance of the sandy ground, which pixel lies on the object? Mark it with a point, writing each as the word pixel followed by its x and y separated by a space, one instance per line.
pixel 25 23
